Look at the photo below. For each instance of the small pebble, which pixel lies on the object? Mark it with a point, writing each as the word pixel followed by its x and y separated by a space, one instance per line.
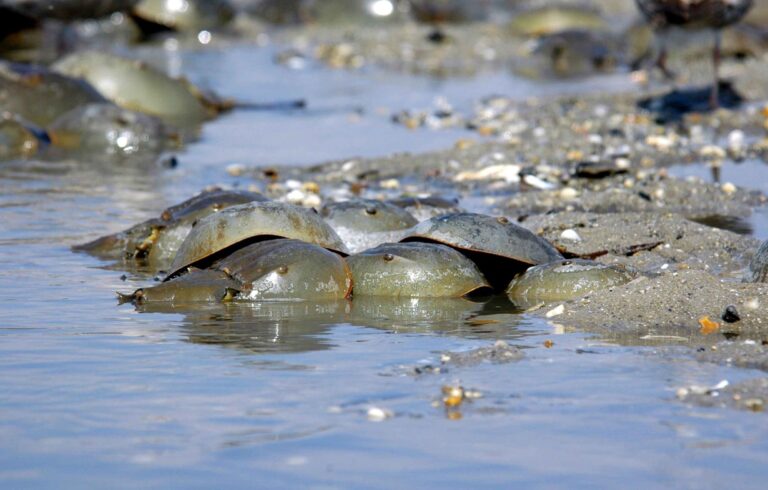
pixel 731 314
pixel 557 310
pixel 236 169
pixel 390 184
pixel 568 193
pixel 736 141
pixel 295 196
pixel 376 414
pixel 293 184
pixel 570 235
pixel 713 152
pixel 728 188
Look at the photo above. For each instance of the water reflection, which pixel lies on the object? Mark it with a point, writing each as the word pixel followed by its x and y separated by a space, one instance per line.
pixel 302 326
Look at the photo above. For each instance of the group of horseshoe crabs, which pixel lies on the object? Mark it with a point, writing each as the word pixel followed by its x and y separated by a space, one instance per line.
pixel 240 246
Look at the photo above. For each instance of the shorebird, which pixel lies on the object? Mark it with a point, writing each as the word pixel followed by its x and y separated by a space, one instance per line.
pixel 713 15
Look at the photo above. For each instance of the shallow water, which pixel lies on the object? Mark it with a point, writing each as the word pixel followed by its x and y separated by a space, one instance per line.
pixel 96 394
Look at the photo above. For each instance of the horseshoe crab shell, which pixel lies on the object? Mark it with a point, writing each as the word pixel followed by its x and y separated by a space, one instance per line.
pixel 108 129
pixel 185 15
pixel 67 9
pixel 208 286
pixel 564 280
pixel 287 269
pixel 278 269
pixel 136 86
pixel 423 208
pixel 499 247
pixel 365 223
pixel 154 243
pixel 16 139
pixel 414 270
pixel 39 95
pixel 250 222
pixel 551 19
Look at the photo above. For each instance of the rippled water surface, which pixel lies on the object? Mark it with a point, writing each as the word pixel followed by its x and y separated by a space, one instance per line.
pixel 93 394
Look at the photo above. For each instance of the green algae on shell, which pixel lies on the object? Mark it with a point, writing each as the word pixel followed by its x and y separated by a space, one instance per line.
pixel 414 270
pixel 185 15
pixel 39 95
pixel 564 280
pixel 284 269
pixel 106 129
pixel 135 85
pixel 365 223
pixel 500 248
pixel 250 222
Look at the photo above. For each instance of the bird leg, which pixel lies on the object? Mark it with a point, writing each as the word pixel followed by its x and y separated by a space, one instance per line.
pixel 661 56
pixel 714 95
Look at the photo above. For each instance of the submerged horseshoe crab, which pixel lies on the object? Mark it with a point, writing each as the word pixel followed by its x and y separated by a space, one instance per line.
pixel 552 19
pixel 95 129
pixel 185 15
pixel 39 95
pixel 365 223
pixel 279 269
pixel 17 140
pixel 136 86
pixel 213 235
pixel 153 244
pixel 500 248
pixel 563 280
pixel 415 270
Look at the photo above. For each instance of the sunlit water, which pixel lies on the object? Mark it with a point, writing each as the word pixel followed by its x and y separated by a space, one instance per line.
pixel 93 394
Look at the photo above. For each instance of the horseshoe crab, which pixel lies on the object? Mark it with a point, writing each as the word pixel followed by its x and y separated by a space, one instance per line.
pixel 500 248
pixel 423 208
pixel 183 15
pixel 328 12
pixel 152 245
pixel 209 286
pixel 67 9
pixel 109 130
pixel 17 140
pixel 287 269
pixel 39 95
pixel 565 279
pixel 213 235
pixel 572 53
pixel 552 19
pixel 365 223
pixel 279 269
pixel 135 85
pixel 414 270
